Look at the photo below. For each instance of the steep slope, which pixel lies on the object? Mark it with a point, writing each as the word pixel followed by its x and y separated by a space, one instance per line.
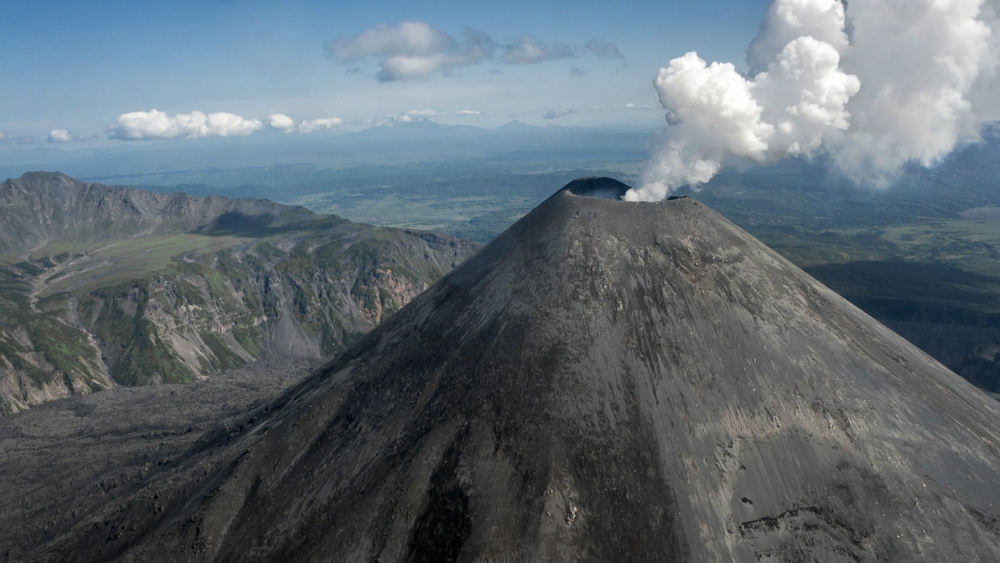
pixel 41 208
pixel 113 286
pixel 606 381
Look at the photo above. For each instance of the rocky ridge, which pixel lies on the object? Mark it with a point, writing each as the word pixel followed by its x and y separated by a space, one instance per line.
pixel 114 286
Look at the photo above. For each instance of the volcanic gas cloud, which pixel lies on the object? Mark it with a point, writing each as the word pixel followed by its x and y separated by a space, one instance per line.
pixel 876 84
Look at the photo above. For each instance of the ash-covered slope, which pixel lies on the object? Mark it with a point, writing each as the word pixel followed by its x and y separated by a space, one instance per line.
pixel 606 381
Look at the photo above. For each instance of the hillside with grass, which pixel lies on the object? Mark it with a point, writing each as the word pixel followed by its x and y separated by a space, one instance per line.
pixel 109 286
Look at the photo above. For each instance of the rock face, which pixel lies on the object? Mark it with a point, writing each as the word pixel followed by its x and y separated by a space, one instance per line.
pixel 606 381
pixel 45 207
pixel 104 286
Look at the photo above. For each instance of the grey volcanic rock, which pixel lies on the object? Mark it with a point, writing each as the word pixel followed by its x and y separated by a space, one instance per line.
pixel 43 207
pixel 606 381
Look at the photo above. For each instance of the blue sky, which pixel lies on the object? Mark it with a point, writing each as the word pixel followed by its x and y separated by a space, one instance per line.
pixel 78 66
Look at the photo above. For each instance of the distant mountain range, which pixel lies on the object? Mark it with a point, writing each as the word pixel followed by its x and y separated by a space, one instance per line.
pixel 394 142
pixel 106 285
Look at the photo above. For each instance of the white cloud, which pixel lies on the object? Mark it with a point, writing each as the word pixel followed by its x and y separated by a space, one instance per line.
pixel 530 51
pixel 408 38
pixel 468 112
pixel 556 113
pixel 17 139
pixel 603 49
pixel 281 122
pixel 412 116
pixel 885 84
pixel 322 124
pixel 156 124
pixel 415 50
pixel 286 124
pixel 59 136
pixel 412 50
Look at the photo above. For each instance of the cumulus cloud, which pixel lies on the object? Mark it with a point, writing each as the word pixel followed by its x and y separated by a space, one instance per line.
pixel 603 49
pixel 415 50
pixel 154 124
pixel 531 51
pixel 631 105
pixel 281 122
pixel 59 136
pixel 322 124
pixel 407 38
pixel 412 50
pixel 556 113
pixel 420 115
pixel 878 86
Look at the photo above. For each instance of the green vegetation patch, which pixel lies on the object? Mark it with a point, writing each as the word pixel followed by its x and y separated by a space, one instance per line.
pixel 247 337
pixel 134 350
pixel 224 357
pixel 65 347
pixel 29 268
pixel 122 261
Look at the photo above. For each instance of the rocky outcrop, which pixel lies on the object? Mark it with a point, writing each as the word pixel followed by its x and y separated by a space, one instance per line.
pixel 170 289
pixel 41 208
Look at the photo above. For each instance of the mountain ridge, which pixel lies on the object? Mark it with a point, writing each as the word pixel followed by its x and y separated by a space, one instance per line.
pixel 43 207
pixel 604 381
pixel 103 286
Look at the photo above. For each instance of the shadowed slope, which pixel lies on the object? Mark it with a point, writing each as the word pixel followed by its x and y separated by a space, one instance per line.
pixel 606 381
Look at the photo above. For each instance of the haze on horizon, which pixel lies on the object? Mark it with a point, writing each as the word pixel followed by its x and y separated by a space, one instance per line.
pixel 875 86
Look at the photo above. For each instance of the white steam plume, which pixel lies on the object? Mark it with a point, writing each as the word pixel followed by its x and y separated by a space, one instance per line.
pixel 884 84
pixel 788 20
pixel 918 61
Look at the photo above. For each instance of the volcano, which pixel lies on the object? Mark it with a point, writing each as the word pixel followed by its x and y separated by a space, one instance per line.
pixel 605 381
